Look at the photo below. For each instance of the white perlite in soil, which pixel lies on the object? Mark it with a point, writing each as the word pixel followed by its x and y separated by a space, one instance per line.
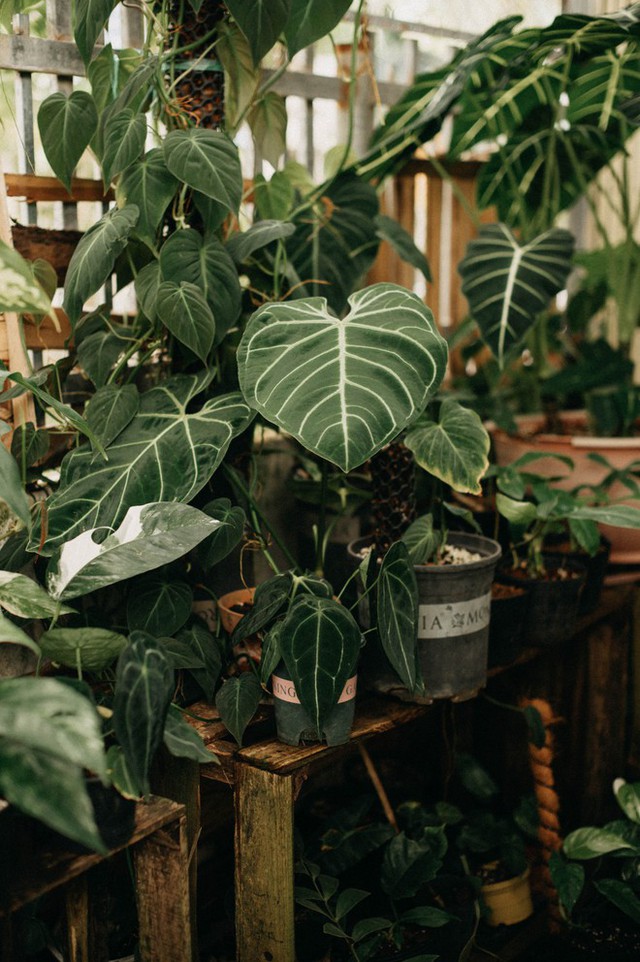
pixel 451 555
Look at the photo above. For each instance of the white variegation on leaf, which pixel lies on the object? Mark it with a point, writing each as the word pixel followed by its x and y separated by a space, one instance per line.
pixel 454 449
pixel 25 598
pixel 343 387
pixel 149 536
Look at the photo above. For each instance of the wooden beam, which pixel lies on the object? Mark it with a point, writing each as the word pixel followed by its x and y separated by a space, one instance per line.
pixel 33 188
pixel 34 55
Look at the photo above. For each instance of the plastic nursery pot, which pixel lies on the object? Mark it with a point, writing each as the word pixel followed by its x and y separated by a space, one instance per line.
pixel 596 566
pixel 230 607
pixel 553 600
pixel 508 902
pixel 292 722
pixel 509 606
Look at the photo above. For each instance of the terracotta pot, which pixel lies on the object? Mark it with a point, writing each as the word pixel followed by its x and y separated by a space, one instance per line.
pixel 508 902
pixel 620 452
pixel 228 617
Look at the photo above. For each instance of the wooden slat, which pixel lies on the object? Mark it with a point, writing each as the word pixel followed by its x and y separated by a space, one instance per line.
pixel 35 55
pixel 39 337
pixel 34 187
pixel 434 235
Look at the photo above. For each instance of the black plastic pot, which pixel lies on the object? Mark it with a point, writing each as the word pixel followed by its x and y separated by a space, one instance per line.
pixel 596 566
pixel 292 722
pixel 508 615
pixel 553 602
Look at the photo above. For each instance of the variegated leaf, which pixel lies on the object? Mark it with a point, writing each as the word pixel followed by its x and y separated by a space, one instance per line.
pixel 454 449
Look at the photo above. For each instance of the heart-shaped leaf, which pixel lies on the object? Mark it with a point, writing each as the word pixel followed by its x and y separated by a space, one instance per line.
pixel 110 410
pixel 309 20
pixel 124 137
pixel 455 448
pixel 409 864
pixel 397 609
pixel 29 444
pixel 94 257
pixel 207 161
pixel 88 649
pixel 149 186
pixel 621 895
pixel 628 797
pixel 203 645
pixel 242 79
pixel 261 21
pixel 343 388
pixel 422 540
pixel 183 309
pixel 89 18
pixel 183 741
pixel 227 535
pixel 237 702
pixel 586 843
pixel 268 601
pixel 149 536
pixel 320 643
pixel 268 123
pixel 98 353
pixel 66 126
pixel 167 451
pixel 159 607
pixel 144 686
pixel 568 880
pixel 242 245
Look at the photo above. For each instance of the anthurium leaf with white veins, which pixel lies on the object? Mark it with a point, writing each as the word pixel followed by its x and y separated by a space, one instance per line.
pixel 110 410
pixel 454 449
pixel 149 536
pixel 343 387
pixel 166 452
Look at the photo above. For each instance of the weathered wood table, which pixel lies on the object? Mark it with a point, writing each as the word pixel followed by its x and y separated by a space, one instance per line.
pixel 160 853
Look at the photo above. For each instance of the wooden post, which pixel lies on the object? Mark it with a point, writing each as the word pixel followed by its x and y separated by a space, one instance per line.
pixel 162 895
pixel 264 866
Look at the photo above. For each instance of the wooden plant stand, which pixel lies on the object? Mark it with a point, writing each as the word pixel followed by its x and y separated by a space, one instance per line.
pixel 160 860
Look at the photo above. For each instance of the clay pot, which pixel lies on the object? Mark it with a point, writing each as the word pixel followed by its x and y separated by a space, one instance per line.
pixel 508 902
pixel 228 617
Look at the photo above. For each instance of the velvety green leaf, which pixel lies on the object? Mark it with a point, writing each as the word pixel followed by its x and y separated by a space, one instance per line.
pixel 124 137
pixel 268 123
pixel 207 161
pixel 66 725
pixel 159 607
pixel 427 916
pixel 585 843
pixel 397 609
pixel 621 895
pixel 11 487
pixel 202 643
pixel 50 790
pixel 229 533
pixel 109 71
pixel 167 451
pixel 320 644
pixel 243 244
pixel 183 741
pixel 146 285
pixel 408 864
pixel 66 126
pixel 475 778
pixel 274 198
pixel 183 309
pixel 91 649
pixel 94 257
pixel 342 402
pixel 310 20
pixel 89 18
pixel 268 601
pixel 402 243
pixel 110 410
pixel 24 597
pixel 455 448
pixel 187 256
pixel 10 634
pixel 98 354
pixel 144 686
pixel 568 880
pixel 149 536
pixel 180 654
pixel 150 187
pixel 28 444
pixel 237 702
pixel 508 284
pixel 422 540
pixel 242 78
pixel 628 797
pixel 261 21
pixel 19 288
pixel 45 275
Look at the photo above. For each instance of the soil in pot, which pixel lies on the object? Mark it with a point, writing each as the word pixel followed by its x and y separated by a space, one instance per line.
pixel 553 599
pixel 509 604
pixel 292 722
pixel 232 607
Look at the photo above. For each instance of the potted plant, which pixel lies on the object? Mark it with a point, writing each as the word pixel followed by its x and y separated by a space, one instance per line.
pixel 595 877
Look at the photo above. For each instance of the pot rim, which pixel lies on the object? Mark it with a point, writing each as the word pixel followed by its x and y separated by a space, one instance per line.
pixel 490 550
pixel 582 441
pixel 515 880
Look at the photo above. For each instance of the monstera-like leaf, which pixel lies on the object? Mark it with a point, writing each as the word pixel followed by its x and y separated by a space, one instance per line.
pixel 166 453
pixel 508 284
pixel 455 447
pixel 343 387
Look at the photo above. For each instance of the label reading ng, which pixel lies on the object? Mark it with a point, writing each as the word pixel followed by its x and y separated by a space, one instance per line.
pixel 455 618
pixel 285 690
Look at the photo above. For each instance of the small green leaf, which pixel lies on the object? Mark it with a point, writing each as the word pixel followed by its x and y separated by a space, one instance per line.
pixel 310 20
pixel 366 927
pixel 124 137
pixel 427 916
pixel 207 161
pixel 454 449
pixel 516 512
pixel 224 539
pixel 91 649
pixel 402 243
pixel 475 778
pixel 10 634
pixel 537 731
pixel 268 123
pixel 422 540
pixel 203 645
pixel 149 186
pixel 621 895
pixel 158 606
pixel 348 899
pixel 568 880
pixel 19 287
pixel 89 18
pixel 243 244
pixel 98 354
pixel 183 309
pixel 66 126
pixel 183 741
pixel 398 614
pixel 586 843
pixel 21 596
pixel 237 702
pixel 29 444
pixel 628 798
pixel 268 601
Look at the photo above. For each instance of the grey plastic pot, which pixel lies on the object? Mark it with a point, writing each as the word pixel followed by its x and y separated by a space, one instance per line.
pixel 292 722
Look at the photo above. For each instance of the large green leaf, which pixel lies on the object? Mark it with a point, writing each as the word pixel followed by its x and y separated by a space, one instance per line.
pixel 24 597
pixel 66 126
pixel 268 123
pixel 508 284
pixel 150 186
pixel 187 256
pixel 320 643
pixel 242 245
pixel 11 487
pixel 309 20
pixel 149 536
pixel 166 452
pixel 183 309
pixel 159 607
pixel 144 686
pixel 227 535
pixel 98 353
pixel 586 843
pixel 409 864
pixel 89 649
pixel 94 257
pixel 19 289
pixel 237 702
pixel 124 137
pixel 343 388
pixel 568 879
pixel 242 78
pixel 621 895
pixel 454 449
pixel 207 161
pixel 89 18
pixel 110 410
pixel 46 715
pixel 203 645
pixel 261 21
pixel 620 515
pixel 397 609
pixel 183 741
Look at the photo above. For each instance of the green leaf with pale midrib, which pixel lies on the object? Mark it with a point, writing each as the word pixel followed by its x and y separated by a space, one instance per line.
pixel 66 126
pixel 92 649
pixel 183 309
pixel 88 19
pixel 124 137
pixel 207 161
pixel 397 610
pixel 261 21
pixel 455 448
pixel 150 186
pixel 237 702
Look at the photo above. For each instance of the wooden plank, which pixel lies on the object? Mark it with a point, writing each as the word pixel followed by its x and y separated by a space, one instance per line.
pixel 34 187
pixel 35 55
pixel 406 215
pixel 434 235
pixel 264 866
pixel 162 895
pixel 77 912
